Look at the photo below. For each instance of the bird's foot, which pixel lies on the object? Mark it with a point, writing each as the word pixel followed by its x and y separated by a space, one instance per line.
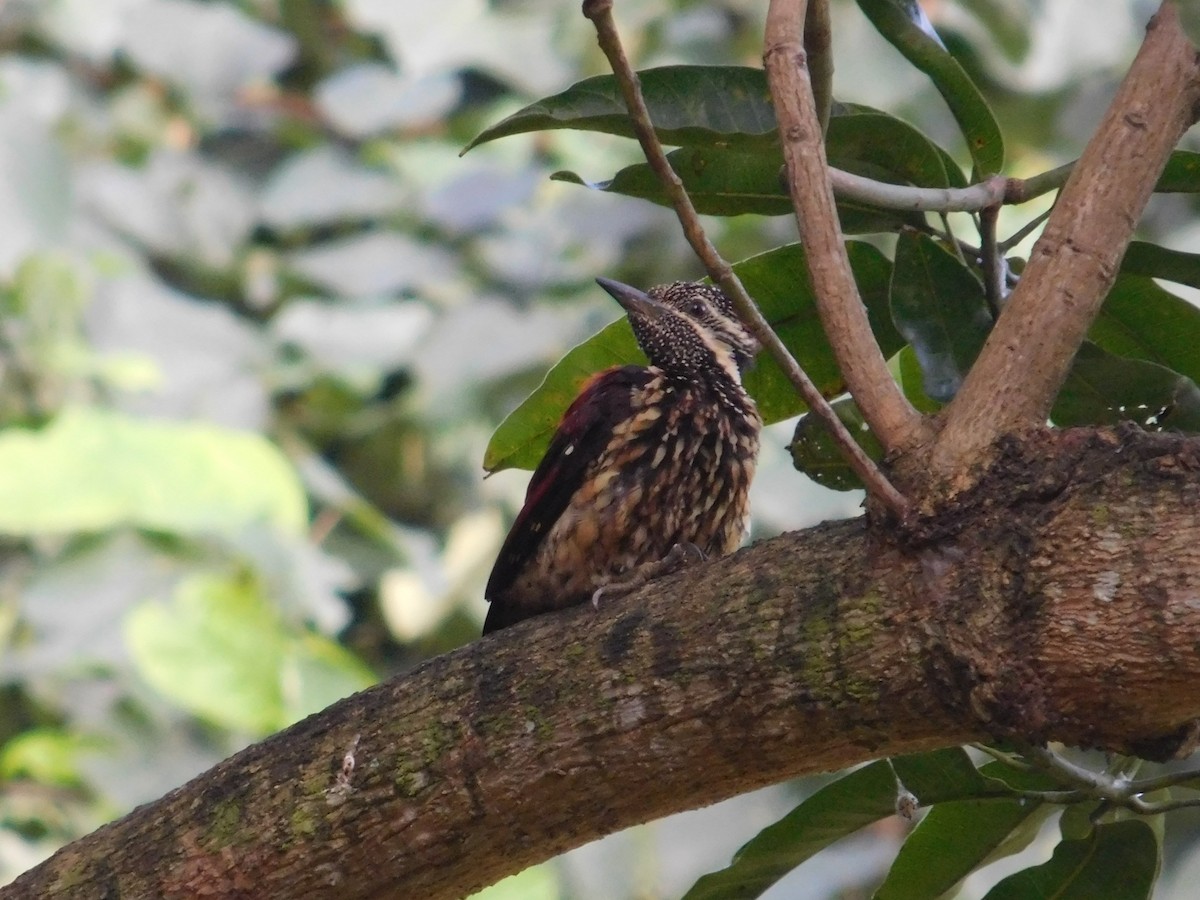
pixel 678 556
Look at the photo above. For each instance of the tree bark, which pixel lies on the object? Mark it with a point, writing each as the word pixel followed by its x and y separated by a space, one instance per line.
pixel 1058 599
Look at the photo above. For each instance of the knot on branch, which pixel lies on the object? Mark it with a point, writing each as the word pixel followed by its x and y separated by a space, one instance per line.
pixel 1041 594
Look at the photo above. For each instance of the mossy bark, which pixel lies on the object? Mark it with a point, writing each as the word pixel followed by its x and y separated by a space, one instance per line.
pixel 1059 599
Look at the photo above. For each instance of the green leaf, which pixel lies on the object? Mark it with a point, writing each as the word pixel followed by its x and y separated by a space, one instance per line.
pixel 903 24
pixel 837 810
pixel 1104 389
pixel 951 841
pixel 813 449
pixel 725 182
pixel 91 469
pixel 523 436
pixel 815 453
pixel 878 145
pixel 1154 261
pixel 720 182
pixel 778 281
pixel 907 371
pixel 220 650
pixel 1141 320
pixel 940 308
pixel 732 183
pixel 1119 861
pixel 1181 175
pixel 707 106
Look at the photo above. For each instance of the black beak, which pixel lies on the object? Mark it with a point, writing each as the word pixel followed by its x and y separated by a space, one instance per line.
pixel 634 301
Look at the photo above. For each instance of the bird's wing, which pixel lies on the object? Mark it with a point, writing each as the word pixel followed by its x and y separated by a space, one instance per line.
pixel 581 437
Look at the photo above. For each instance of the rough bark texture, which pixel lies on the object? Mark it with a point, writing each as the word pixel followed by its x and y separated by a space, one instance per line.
pixel 1058 599
pixel 892 418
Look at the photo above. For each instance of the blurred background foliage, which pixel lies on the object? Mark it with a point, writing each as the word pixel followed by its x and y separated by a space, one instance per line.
pixel 258 319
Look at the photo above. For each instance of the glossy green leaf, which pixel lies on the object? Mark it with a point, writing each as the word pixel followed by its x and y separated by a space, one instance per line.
pixel 92 469
pixel 879 145
pixel 903 24
pixel 1143 321
pixel 778 281
pixel 1154 261
pixel 720 182
pixel 521 439
pixel 951 842
pixel 907 371
pixel 1181 175
pixel 723 182
pixel 707 106
pixel 813 449
pixel 1104 389
pixel 1119 861
pixel 855 800
pixel 817 455
pixel 939 306
pixel 221 650
pixel 734 183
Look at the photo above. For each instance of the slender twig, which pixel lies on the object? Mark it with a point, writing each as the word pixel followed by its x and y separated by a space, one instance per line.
pixel 991 260
pixel 339 498
pixel 1020 190
pixel 1009 759
pixel 1098 784
pixel 1023 232
pixel 954 242
pixel 1172 779
pixel 973 198
pixel 877 484
pixel 1153 809
pixel 818 44
pixel 1113 787
pixel 1064 798
pixel 891 417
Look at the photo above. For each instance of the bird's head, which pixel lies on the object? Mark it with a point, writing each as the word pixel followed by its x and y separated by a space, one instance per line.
pixel 687 328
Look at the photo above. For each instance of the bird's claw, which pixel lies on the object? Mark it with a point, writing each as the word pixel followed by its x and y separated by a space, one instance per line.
pixel 680 554
pixel 677 557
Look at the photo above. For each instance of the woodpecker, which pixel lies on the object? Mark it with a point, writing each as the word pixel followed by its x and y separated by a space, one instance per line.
pixel 648 464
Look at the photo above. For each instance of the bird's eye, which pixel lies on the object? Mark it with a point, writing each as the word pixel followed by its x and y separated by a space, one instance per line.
pixel 696 309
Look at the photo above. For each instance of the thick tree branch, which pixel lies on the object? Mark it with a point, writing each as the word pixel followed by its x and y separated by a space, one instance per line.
pixel 1021 368
pixel 897 425
pixel 1058 600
